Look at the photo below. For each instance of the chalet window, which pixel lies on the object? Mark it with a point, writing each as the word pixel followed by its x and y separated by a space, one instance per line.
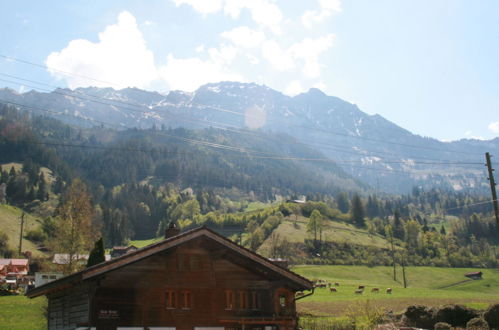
pixel 171 299
pixel 282 300
pixel 255 300
pixel 185 300
pixel 243 300
pixel 229 299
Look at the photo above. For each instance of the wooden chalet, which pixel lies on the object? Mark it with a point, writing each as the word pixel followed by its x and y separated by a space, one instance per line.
pixel 194 280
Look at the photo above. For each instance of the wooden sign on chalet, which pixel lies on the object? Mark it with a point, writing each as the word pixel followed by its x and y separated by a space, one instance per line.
pixel 194 280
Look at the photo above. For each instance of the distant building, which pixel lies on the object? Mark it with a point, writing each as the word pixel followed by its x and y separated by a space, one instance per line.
pixel 194 280
pixel 20 267
pixel 118 251
pixel 44 278
pixel 474 275
pixel 63 258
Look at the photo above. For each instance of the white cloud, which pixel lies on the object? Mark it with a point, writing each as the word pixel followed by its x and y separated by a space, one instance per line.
pixel 202 6
pixel 189 73
pixel 263 12
pixel 494 127
pixel 120 58
pixel 294 88
pixel 327 7
pixel 244 36
pixel 469 135
pixel 309 51
pixel 280 59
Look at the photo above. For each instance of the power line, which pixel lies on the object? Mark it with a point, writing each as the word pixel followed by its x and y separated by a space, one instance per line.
pixel 298 126
pixel 329 146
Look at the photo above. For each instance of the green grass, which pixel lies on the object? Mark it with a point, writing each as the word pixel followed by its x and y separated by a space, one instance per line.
pixel 296 232
pixel 145 242
pixel 253 206
pixel 426 285
pixel 10 223
pixel 20 312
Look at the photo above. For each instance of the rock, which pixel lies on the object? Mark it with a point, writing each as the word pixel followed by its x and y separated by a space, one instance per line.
pixel 492 316
pixel 419 316
pixel 455 315
pixel 477 323
pixel 443 326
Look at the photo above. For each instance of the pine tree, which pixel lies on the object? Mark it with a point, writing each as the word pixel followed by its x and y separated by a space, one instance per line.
pixel 358 213
pixel 42 188
pixel 398 226
pixel 442 230
pixel 97 255
pixel 343 203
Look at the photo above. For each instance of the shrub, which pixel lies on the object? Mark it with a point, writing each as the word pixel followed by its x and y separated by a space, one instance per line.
pixel 492 316
pixel 477 323
pixel 443 326
pixel 419 316
pixel 456 315
pixel 36 235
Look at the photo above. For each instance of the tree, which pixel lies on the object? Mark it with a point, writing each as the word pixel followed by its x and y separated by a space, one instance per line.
pixel 315 224
pixel 358 213
pixel 412 228
pixel 74 232
pixel 97 255
pixel 343 203
pixel 42 188
pixel 398 226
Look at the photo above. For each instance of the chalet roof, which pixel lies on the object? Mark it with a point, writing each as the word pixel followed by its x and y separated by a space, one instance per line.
pixel 298 281
pixel 19 262
pixel 14 262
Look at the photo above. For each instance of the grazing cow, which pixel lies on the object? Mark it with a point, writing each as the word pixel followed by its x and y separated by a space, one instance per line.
pixel 389 290
pixel 359 291
pixel 333 290
pixel 375 290
pixel 362 287
pixel 336 284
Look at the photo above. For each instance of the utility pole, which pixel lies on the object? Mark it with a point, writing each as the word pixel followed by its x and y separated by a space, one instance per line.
pixel 21 235
pixel 492 188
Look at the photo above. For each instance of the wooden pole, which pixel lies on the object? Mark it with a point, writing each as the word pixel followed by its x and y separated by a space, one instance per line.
pixel 21 234
pixel 492 188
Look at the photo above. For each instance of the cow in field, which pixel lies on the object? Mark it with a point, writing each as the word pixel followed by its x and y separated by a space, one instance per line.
pixel 336 284
pixel 333 290
pixel 375 290
pixel 362 287
pixel 389 290
pixel 359 291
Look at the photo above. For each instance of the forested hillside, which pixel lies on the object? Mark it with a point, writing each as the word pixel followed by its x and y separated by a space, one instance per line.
pixel 135 182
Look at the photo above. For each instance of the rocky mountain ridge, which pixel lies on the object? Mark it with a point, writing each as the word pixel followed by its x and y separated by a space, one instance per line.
pixel 369 147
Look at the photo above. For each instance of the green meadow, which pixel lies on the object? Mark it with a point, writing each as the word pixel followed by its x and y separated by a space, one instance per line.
pixel 426 285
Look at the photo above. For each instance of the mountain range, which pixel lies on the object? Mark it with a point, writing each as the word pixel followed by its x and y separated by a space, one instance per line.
pixel 370 148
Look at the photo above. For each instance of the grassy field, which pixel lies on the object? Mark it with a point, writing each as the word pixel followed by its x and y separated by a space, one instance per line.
pixel 426 285
pixel 19 312
pixel 295 231
pixel 10 223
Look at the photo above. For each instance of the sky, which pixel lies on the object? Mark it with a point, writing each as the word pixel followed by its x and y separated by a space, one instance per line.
pixel 431 67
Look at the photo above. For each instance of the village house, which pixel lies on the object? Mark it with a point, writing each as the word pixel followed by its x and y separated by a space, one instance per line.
pixel 194 280
pixel 19 267
pixel 118 251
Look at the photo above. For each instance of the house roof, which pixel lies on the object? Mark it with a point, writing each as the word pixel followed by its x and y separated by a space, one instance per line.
pixel 301 282
pixel 19 262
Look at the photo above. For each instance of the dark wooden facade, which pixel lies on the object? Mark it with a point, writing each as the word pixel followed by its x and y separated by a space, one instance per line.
pixel 195 280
